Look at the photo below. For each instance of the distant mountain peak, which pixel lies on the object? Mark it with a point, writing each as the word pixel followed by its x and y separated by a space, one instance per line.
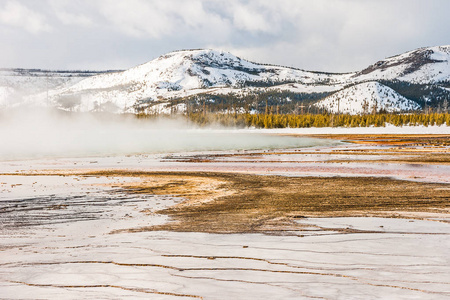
pixel 428 62
pixel 211 73
pixel 209 58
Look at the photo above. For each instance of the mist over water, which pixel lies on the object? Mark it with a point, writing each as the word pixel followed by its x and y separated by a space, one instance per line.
pixel 42 133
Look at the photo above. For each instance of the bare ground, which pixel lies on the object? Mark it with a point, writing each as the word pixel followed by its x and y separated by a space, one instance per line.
pixel 255 203
pixel 235 202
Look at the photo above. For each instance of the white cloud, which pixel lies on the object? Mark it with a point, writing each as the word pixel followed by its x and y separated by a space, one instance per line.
pixel 247 18
pixel 338 35
pixel 137 18
pixel 326 35
pixel 68 12
pixel 17 15
pixel 73 19
pixel 161 18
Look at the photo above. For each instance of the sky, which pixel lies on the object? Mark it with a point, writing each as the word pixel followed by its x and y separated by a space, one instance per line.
pixel 317 35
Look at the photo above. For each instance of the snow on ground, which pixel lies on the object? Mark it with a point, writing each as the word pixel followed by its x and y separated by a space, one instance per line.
pixel 180 74
pixel 183 73
pixel 302 88
pixel 60 246
pixel 366 98
pixel 66 246
pixel 424 65
pixel 61 237
pixel 380 224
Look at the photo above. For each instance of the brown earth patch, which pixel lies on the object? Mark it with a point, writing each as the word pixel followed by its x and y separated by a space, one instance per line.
pixel 235 202
pixel 255 203
pixel 195 189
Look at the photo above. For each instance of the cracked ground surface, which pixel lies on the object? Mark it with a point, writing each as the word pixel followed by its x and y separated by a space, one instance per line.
pixel 137 232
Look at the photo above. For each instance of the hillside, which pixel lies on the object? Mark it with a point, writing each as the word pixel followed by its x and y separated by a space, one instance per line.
pixel 424 66
pixel 366 98
pixel 211 76
pixel 181 74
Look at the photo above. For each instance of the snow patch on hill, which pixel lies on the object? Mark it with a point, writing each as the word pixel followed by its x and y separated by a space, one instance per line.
pixel 193 72
pixel 184 73
pixel 366 98
pixel 424 65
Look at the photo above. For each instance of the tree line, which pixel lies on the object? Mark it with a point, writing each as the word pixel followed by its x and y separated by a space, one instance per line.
pixel 268 120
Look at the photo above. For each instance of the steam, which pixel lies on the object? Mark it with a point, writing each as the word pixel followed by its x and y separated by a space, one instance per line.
pixel 45 133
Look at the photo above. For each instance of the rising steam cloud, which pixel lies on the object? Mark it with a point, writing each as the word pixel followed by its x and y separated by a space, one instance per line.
pixel 28 134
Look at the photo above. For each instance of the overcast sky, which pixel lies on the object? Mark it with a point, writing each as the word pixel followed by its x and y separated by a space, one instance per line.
pixel 322 35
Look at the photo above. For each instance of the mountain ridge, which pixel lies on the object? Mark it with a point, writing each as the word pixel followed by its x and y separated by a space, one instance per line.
pixel 198 73
pixel 367 97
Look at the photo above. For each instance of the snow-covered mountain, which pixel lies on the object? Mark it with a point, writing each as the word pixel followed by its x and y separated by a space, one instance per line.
pixel 184 73
pixel 205 73
pixel 424 65
pixel 366 97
